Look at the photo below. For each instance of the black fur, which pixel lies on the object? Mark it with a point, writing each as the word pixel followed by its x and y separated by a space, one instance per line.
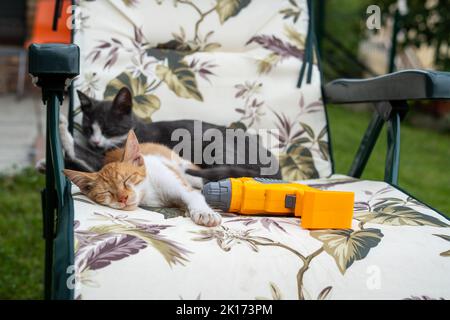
pixel 87 159
pixel 226 171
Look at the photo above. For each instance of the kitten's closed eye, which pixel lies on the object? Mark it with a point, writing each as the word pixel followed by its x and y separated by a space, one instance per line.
pixel 131 180
pixel 104 193
pixel 103 197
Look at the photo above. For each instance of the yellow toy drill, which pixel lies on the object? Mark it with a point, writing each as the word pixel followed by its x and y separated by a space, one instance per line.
pixel 258 196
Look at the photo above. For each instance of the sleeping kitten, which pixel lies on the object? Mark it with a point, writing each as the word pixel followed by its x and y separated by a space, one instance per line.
pixel 146 174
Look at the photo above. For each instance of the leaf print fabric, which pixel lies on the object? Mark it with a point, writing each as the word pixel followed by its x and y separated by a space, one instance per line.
pixel 181 80
pixel 229 8
pixel 144 104
pixel 160 254
pixel 113 249
pixel 393 211
pixel 229 62
pixel 236 63
pixel 348 246
pixel 445 237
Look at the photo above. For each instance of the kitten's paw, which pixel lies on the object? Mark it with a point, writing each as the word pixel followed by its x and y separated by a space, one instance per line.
pixel 206 218
pixel 40 166
pixel 63 120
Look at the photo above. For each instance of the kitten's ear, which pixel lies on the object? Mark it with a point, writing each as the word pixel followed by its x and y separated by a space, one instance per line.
pixel 123 101
pixel 84 180
pixel 132 151
pixel 85 102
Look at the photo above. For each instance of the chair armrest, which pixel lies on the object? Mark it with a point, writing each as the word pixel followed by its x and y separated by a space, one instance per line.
pixel 53 66
pixel 401 85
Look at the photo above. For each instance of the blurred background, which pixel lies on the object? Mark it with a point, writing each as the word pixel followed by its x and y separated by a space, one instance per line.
pixel 413 34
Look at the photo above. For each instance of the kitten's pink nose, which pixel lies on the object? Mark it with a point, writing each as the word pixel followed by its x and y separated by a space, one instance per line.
pixel 123 199
pixel 96 142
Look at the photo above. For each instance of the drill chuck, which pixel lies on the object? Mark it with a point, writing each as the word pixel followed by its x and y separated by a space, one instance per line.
pixel 218 194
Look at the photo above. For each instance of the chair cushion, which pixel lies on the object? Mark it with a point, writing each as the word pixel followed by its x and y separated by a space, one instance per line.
pixel 230 62
pixel 397 249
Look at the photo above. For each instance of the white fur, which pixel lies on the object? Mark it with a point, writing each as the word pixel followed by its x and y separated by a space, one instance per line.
pixel 162 187
pixel 67 142
pixel 40 165
pixel 196 182
pixel 97 139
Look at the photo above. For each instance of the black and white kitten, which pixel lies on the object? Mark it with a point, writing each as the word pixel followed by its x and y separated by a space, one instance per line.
pixel 105 125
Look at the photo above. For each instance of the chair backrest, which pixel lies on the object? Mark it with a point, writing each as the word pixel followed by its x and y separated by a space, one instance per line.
pixel 230 62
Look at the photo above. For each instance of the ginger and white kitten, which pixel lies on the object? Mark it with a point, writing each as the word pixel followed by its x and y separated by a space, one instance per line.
pixel 146 174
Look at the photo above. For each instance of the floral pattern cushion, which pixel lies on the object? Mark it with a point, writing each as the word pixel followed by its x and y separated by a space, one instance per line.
pixel 397 249
pixel 230 62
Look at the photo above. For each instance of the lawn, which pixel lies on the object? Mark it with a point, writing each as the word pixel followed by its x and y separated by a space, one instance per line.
pixel 424 173
pixel 21 244
pixel 424 156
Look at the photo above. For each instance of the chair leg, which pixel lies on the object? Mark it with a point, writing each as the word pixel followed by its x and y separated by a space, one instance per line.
pixel 393 152
pixel 21 74
pixel 366 146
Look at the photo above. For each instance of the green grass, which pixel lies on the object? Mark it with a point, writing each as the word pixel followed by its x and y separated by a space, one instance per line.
pixel 424 173
pixel 424 156
pixel 21 244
